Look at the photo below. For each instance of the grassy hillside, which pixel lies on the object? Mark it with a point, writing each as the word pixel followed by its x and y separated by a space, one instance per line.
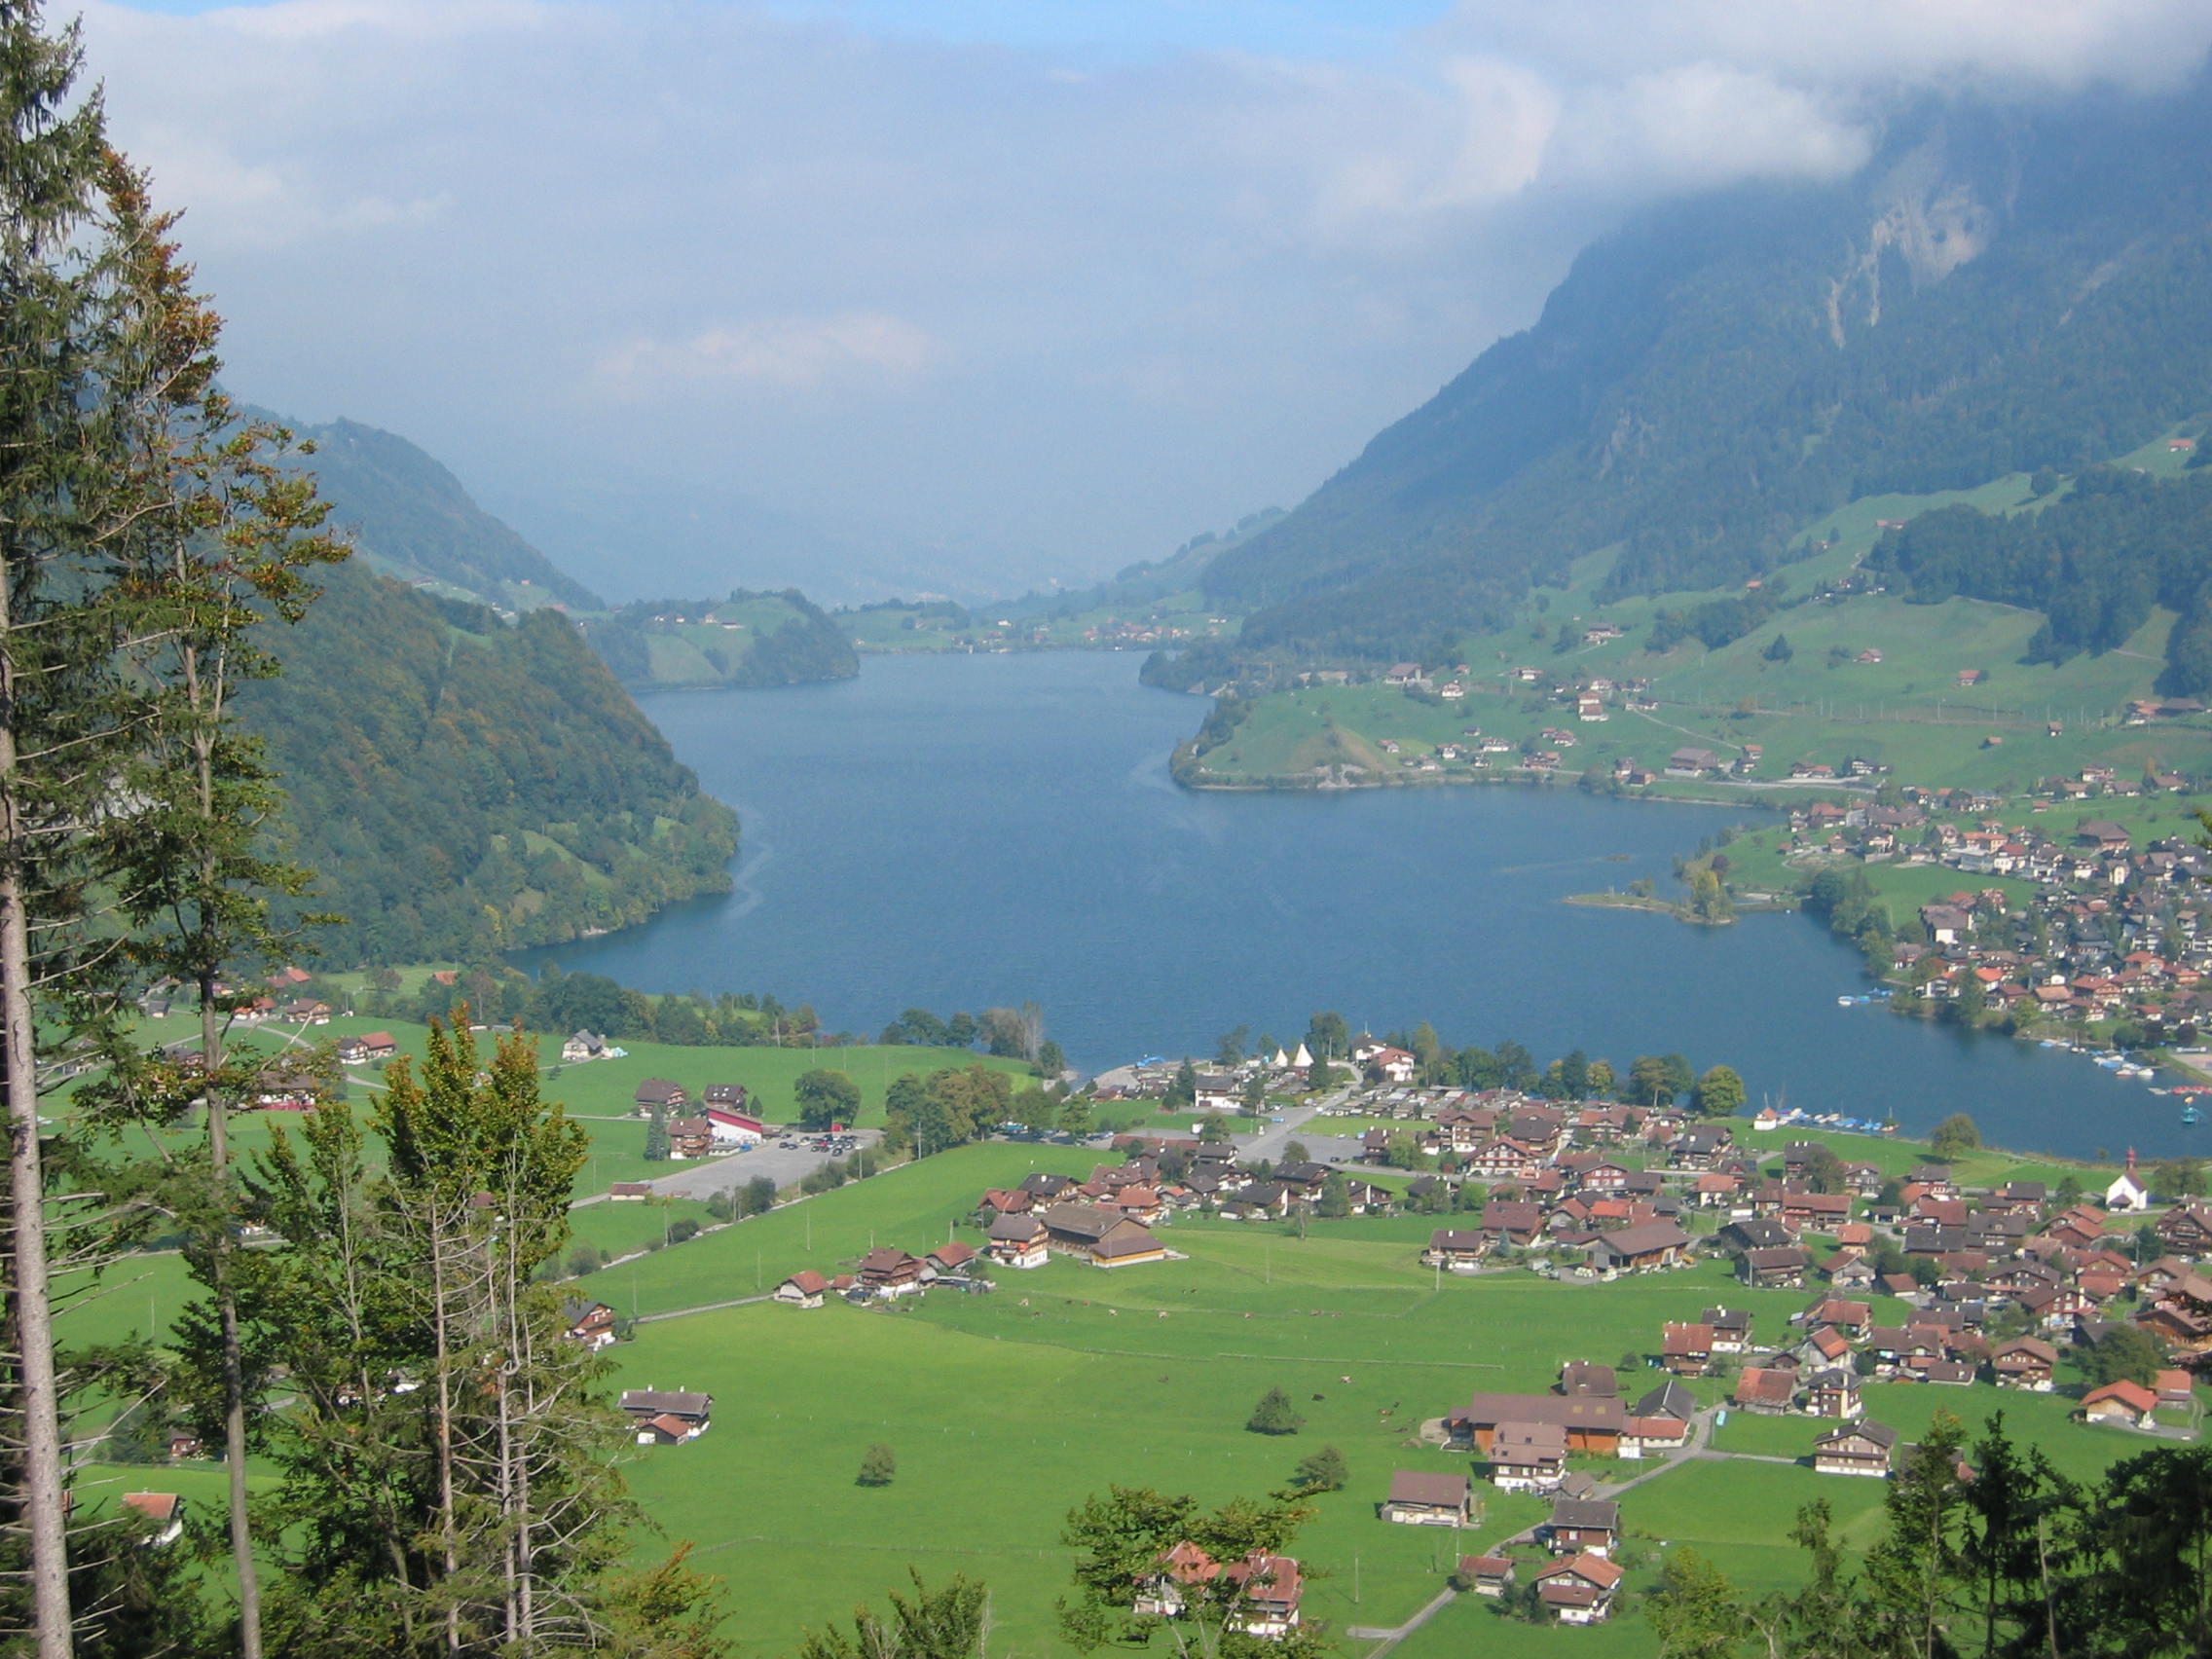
pixel 747 640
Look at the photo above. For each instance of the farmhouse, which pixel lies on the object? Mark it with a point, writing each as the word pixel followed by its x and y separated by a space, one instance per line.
pixel 1592 1524
pixel 1420 1499
pixel 1527 1457
pixel 658 1091
pixel 1855 1449
pixel 2025 1362
pixel 1018 1241
pixel 667 1417
pixel 887 1272
pixel 591 1323
pixel 1591 1423
pixel 582 1046
pixel 1103 1238
pixel 1764 1389
pixel 1686 1349
pixel 803 1289
pixel 1271 1589
pixel 1456 1247
pixel 1579 1590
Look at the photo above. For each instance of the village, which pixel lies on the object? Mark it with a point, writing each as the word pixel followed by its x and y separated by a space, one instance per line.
pixel 1904 1278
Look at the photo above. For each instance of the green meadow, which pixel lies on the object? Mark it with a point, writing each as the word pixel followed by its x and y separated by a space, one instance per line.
pixel 1005 1409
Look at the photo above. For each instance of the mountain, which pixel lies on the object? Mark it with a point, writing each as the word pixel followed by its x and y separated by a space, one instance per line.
pixel 464 785
pixel 1999 291
pixel 410 518
pixel 747 640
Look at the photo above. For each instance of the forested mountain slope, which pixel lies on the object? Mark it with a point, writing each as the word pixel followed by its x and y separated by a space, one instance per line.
pixel 412 519
pixel 1998 291
pixel 463 785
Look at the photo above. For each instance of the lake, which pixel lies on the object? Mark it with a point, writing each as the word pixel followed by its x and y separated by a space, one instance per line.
pixel 964 832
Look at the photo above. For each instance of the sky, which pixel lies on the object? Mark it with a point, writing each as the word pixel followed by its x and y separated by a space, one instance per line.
pixel 990 291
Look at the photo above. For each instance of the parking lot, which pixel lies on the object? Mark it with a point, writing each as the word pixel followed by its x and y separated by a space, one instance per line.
pixel 702 1178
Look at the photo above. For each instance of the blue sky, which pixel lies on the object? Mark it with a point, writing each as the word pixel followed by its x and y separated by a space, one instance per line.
pixel 1024 289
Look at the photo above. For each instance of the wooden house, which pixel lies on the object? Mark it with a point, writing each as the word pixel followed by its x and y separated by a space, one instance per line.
pixel 803 1289
pixel 1527 1457
pixel 1580 1589
pixel 1578 1524
pixel 1424 1498
pixel 1486 1575
pixel 1855 1449
pixel 1018 1240
pixel 2025 1362
pixel 2130 1405
pixel 1103 1238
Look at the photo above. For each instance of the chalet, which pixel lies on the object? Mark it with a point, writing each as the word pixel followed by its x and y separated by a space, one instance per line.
pixel 630 1191
pixel 1269 1592
pixel 691 1138
pixel 374 1049
pixel 1669 1400
pixel 1731 1329
pixel 1756 1232
pixel 803 1289
pixel 1645 1247
pixel 591 1323
pixel 582 1046
pixel 1826 1345
pixel 163 1511
pixel 1764 1388
pixel 1592 1524
pixel 952 1259
pixel 664 1417
pixel 2187 1229
pixel 889 1272
pixel 733 1095
pixel 1592 1424
pixel 1045 1188
pixel 1686 1351
pixel 1833 1393
pixel 1580 1589
pixel 1164 1594
pixel 1855 1449
pixel 1486 1575
pixel 1103 1238
pixel 1527 1457
pixel 1456 1247
pixel 657 1092
pixel 1424 1498
pixel 1653 1436
pixel 1856 1318
pixel 1693 762
pixel 2127 1404
pixel 1018 1240
pixel 1774 1269
pixel 1511 1221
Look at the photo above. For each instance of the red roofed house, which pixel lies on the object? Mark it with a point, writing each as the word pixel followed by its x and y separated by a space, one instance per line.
pixel 2128 1404
pixel 1579 1590
pixel 803 1289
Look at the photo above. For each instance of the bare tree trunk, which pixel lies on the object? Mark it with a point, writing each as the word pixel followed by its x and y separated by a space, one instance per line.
pixel 44 1492
pixel 211 1030
pixel 227 1310
pixel 448 1525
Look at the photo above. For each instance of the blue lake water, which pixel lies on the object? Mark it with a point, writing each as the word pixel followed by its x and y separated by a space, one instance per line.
pixel 957 833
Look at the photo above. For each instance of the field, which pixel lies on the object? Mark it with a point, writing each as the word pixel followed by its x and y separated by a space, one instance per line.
pixel 1815 702
pixel 1005 1411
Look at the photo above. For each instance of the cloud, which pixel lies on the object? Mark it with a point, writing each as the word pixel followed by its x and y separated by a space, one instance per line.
pixel 792 351
pixel 945 288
